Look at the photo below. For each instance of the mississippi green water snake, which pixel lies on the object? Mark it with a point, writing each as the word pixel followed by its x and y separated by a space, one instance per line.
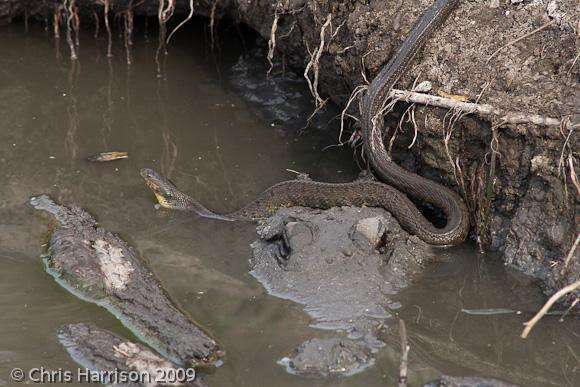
pixel 308 193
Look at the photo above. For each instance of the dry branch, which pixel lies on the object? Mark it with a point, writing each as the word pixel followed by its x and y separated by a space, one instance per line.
pixel 565 290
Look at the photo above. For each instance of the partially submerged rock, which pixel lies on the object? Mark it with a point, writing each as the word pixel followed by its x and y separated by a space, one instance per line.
pixel 341 264
pixel 112 358
pixel 98 266
pixel 465 381
pixel 328 357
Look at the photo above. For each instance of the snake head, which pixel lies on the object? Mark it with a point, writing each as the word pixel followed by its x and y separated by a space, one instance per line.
pixel 165 191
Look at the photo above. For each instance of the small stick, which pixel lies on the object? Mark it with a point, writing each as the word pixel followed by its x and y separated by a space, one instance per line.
pixel 520 38
pixel 404 355
pixel 565 290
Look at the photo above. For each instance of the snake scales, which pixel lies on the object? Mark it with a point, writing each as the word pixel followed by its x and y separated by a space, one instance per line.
pixel 308 193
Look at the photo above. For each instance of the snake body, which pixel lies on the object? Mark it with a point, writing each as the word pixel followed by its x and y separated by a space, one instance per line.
pixel 308 193
pixel 457 227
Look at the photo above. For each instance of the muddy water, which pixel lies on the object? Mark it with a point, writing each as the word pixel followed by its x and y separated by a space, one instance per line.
pixel 208 125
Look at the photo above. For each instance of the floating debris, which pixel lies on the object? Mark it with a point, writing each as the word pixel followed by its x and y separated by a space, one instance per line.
pixel 108 156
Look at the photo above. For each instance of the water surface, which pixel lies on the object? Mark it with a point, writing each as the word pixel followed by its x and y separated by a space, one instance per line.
pixel 205 125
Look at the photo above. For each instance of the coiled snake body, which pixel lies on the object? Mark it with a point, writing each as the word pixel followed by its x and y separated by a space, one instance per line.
pixel 304 192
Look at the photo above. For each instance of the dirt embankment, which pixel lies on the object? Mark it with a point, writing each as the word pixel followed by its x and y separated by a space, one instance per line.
pixel 518 180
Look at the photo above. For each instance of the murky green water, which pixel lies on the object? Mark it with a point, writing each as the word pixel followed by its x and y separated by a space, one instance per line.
pixel 194 125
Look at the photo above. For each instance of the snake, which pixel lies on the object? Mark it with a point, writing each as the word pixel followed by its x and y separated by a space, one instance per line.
pixel 389 193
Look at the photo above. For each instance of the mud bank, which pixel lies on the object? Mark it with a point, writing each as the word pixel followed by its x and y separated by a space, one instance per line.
pixel 342 265
pixel 518 180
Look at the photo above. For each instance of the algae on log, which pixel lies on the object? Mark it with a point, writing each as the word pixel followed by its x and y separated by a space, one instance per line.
pixel 98 266
pixel 518 180
pixel 112 358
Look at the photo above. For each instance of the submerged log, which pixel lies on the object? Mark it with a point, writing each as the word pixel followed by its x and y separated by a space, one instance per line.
pixel 98 266
pixel 112 359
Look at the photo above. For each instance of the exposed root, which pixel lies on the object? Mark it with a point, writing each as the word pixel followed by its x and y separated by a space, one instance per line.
pixel 485 193
pixel 559 294
pixel 188 18
pixel 314 65
pixel 162 14
pixel 452 117
pixel 76 22
pixel 482 110
pixel 355 93
pixel 409 114
pixel 573 175
pixel 128 31
pixel 69 6
pixel 567 159
pixel 386 108
pixel 106 7
pixel 281 8
pixel 97 23
pixel 272 40
pixel 212 22
pixel 570 255
pixel 166 12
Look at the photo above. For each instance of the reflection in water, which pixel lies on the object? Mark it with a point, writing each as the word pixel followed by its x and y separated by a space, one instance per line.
pixel 70 141
pixel 107 114
pixel 128 30
pixel 56 29
pixel 169 155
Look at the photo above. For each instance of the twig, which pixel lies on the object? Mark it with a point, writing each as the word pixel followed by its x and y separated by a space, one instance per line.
pixel 482 110
pixel 570 254
pixel 565 290
pixel 520 38
pixel 573 176
pixel 404 354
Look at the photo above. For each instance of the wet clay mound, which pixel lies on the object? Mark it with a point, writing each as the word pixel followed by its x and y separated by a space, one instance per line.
pixel 341 264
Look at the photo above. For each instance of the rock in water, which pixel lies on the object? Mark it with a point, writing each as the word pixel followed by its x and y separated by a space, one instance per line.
pixel 369 231
pixel 328 357
pixel 466 381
